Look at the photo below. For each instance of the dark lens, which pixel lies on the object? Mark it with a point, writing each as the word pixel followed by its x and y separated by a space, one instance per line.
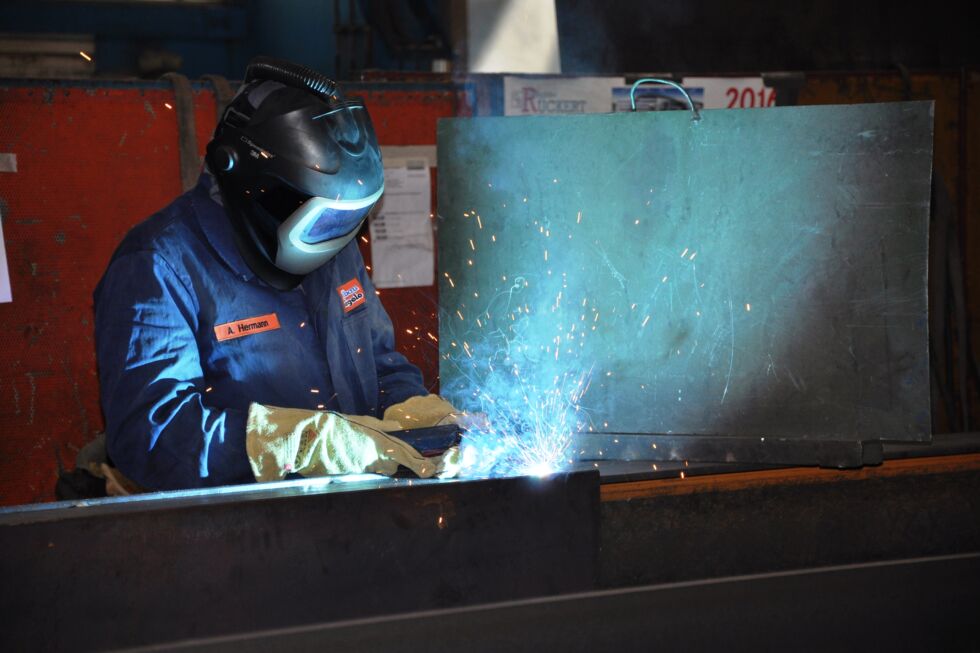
pixel 333 223
pixel 281 200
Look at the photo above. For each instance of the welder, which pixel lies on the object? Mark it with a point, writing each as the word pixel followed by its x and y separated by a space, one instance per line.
pixel 238 334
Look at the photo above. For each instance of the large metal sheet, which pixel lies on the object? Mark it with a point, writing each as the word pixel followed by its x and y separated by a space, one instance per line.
pixel 754 273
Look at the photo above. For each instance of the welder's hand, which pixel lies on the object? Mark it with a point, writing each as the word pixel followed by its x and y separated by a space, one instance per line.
pixel 280 441
pixel 419 412
pixel 432 410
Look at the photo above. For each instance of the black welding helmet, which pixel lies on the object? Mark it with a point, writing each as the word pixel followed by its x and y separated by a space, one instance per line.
pixel 299 169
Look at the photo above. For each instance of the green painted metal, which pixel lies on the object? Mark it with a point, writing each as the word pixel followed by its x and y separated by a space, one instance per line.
pixel 753 273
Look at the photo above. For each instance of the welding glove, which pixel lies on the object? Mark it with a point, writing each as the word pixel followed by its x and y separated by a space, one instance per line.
pixel 432 410
pixel 280 441
pixel 419 412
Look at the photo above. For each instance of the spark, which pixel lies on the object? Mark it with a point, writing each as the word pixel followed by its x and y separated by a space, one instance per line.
pixel 472 246
pixel 168 105
pixel 541 470
pixel 578 218
pixel 364 238
pixel 315 391
pixel 645 320
pixel 664 280
pixel 479 222
pixel 459 314
pixel 302 324
pixel 748 307
pixel 684 253
pixel 546 255
pixel 85 56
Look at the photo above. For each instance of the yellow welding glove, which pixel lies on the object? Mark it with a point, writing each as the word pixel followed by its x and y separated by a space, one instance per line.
pixel 433 410
pixel 419 412
pixel 280 441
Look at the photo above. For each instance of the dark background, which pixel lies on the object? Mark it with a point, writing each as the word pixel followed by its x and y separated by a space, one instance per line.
pixel 346 37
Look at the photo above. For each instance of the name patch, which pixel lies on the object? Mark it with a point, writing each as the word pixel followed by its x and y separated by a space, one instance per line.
pixel 351 295
pixel 246 327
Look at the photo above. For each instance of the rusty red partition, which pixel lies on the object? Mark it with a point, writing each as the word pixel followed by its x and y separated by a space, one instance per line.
pixel 93 159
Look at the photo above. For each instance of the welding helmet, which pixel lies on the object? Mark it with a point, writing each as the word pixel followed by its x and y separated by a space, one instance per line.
pixel 298 167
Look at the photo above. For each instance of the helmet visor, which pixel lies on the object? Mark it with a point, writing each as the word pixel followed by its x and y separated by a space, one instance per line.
pixel 333 222
pixel 320 219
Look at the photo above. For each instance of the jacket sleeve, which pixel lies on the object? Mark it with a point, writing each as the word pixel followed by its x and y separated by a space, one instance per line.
pixel 398 379
pixel 160 429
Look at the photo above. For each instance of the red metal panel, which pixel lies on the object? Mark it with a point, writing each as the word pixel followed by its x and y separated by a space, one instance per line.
pixel 93 161
pixel 409 118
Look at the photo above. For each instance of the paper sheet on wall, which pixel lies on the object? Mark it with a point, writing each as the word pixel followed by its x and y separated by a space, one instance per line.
pixel 4 273
pixel 525 96
pixel 402 249
pixel 733 92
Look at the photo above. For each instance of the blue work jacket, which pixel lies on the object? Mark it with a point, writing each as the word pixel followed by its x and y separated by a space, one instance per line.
pixel 187 337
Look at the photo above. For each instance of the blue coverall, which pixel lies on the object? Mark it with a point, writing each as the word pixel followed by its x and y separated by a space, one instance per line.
pixel 175 397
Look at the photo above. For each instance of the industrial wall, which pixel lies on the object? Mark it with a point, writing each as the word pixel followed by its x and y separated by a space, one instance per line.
pixel 92 160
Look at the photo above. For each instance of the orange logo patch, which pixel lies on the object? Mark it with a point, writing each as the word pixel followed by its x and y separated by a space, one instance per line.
pixel 351 295
pixel 246 327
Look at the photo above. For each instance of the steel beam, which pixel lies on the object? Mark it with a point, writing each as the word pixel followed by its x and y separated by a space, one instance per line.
pixel 127 572
pixel 909 605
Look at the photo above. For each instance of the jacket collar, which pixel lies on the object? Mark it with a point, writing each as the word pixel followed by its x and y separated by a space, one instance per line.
pixel 214 222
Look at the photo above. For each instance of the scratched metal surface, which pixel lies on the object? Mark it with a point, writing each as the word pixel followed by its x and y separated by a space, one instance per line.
pixel 759 272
